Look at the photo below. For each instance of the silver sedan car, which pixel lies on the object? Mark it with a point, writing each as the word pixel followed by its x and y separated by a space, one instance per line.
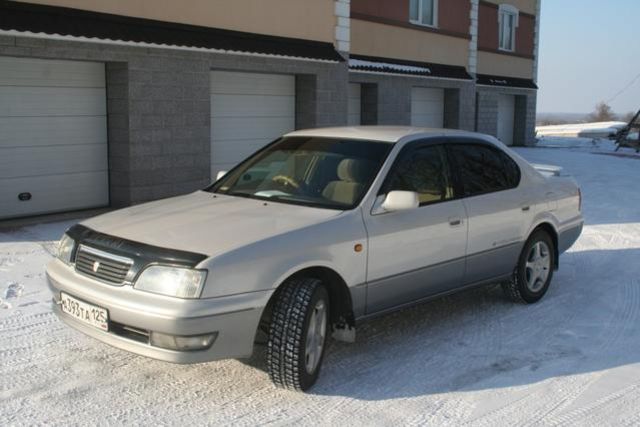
pixel 310 236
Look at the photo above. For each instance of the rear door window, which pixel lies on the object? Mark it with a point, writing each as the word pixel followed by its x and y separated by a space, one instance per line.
pixel 483 169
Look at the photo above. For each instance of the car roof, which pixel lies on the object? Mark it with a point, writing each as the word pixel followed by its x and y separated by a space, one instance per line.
pixel 391 134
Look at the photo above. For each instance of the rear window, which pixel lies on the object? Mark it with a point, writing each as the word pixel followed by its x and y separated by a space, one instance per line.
pixel 483 169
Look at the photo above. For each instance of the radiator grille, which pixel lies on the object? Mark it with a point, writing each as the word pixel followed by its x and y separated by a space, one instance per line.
pixel 101 265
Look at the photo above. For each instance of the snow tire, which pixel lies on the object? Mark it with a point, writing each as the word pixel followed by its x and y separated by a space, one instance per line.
pixel 290 325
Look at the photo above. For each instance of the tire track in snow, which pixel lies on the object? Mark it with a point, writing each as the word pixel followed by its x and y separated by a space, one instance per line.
pixel 546 335
pixel 573 418
pixel 629 301
pixel 621 323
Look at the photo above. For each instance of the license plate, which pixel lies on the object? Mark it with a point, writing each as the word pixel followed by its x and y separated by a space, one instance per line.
pixel 87 313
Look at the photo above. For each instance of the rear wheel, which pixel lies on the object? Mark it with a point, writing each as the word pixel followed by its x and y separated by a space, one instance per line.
pixel 534 272
pixel 298 333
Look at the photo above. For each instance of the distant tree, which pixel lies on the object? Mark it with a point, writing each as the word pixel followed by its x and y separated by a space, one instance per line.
pixel 627 117
pixel 602 113
pixel 551 122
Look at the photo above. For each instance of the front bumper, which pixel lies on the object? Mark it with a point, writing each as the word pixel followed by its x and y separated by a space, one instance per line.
pixel 233 318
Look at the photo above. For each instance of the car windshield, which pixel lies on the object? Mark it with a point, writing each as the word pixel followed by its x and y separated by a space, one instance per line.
pixel 322 172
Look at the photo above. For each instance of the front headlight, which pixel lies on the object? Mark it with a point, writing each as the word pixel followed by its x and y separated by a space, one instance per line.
pixel 65 249
pixel 172 281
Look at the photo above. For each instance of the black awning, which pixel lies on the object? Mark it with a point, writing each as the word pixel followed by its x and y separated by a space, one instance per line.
pixel 52 20
pixel 500 81
pixel 413 68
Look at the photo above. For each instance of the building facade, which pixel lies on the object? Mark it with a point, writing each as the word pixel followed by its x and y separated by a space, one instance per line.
pixel 112 103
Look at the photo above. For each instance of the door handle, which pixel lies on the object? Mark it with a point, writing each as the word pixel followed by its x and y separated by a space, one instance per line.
pixel 526 208
pixel 455 222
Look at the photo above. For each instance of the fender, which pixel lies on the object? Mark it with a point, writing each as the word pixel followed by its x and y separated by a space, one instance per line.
pixel 264 265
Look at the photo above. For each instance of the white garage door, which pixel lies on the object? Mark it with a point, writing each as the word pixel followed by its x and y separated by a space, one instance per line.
pixel 248 110
pixel 53 136
pixel 506 118
pixel 354 104
pixel 427 107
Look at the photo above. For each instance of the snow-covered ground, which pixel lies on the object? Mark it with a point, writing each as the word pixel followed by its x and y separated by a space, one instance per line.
pixel 472 358
pixel 585 130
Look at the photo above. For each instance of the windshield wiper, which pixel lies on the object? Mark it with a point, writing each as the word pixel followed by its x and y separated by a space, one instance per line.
pixel 307 202
pixel 286 199
pixel 245 195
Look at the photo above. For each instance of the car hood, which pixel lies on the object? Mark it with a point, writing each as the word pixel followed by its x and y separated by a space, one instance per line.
pixel 204 223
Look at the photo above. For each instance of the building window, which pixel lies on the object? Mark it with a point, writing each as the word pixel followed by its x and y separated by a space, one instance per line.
pixel 424 12
pixel 507 24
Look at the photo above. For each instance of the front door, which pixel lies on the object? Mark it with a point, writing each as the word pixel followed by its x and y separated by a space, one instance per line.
pixel 420 252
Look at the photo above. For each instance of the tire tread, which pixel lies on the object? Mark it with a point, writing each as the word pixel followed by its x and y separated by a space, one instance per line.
pixel 287 332
pixel 513 289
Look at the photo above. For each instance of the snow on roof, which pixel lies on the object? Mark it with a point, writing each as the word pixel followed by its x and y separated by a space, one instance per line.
pixel 388 66
pixel 51 22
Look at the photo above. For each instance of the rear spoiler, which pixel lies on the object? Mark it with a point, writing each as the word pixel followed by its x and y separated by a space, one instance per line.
pixel 548 170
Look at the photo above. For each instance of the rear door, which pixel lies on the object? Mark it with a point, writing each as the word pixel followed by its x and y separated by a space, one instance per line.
pixel 420 252
pixel 498 214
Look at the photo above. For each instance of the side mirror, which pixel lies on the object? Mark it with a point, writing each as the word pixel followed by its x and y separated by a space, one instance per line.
pixel 220 174
pixel 400 201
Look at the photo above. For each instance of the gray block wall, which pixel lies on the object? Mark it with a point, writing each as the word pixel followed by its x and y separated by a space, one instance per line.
pixel 487 112
pixel 158 106
pixel 525 113
pixel 393 99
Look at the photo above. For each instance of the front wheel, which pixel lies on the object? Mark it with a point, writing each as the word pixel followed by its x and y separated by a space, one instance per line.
pixel 298 333
pixel 534 272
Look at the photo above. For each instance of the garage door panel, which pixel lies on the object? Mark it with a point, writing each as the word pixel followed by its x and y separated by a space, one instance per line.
pixel 248 110
pixel 234 83
pixel 36 161
pixel 53 193
pixel 420 108
pixel 427 107
pixel 52 101
pixel 427 94
pixel 428 120
pixel 53 136
pixel 223 105
pixel 52 73
pixel 47 131
pixel 238 149
pixel 234 128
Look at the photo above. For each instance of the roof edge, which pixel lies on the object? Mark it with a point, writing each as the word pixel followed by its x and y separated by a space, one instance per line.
pixel 503 81
pixel 63 21
pixel 402 66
